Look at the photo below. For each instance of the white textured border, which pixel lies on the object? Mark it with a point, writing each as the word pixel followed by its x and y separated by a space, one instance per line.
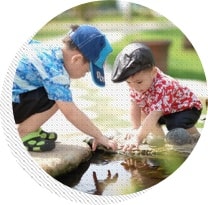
pixel 23 181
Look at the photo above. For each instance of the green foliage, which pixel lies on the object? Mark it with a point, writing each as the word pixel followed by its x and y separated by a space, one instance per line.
pixel 170 161
pixel 182 63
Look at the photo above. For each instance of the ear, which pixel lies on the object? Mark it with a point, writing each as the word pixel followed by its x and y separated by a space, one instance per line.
pixel 76 58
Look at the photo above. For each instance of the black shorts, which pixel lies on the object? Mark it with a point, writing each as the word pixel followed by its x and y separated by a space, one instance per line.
pixel 184 119
pixel 32 102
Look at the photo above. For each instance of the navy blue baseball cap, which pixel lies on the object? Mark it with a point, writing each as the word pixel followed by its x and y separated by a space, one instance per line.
pixel 95 48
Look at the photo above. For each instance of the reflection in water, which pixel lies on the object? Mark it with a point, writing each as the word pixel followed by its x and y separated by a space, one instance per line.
pixel 100 185
pixel 110 174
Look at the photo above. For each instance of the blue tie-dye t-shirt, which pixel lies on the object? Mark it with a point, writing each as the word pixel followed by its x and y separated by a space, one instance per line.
pixel 42 66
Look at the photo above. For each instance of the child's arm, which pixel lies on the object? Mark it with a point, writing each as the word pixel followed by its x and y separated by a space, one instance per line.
pixel 148 125
pixel 135 114
pixel 84 124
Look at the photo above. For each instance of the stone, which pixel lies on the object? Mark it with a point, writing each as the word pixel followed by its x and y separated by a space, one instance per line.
pixel 178 136
pixel 69 153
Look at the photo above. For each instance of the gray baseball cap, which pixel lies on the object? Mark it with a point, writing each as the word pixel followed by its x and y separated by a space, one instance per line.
pixel 132 59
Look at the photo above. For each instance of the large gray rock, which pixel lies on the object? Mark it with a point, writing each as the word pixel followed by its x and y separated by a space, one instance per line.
pixel 69 152
pixel 180 136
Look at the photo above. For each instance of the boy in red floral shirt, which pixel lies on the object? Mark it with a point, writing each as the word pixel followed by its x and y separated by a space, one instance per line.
pixel 156 99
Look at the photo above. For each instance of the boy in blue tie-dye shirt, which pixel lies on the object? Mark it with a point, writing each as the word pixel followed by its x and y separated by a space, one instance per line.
pixel 42 86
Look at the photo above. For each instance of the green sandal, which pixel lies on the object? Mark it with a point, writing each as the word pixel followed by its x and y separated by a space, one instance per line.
pixel 47 135
pixel 34 142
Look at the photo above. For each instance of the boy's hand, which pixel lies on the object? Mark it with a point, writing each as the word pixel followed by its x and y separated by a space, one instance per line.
pixel 133 139
pixel 131 134
pixel 109 144
pixel 132 143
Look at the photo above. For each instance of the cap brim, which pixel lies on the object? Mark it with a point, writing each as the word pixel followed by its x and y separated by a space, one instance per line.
pixel 97 70
pixel 97 74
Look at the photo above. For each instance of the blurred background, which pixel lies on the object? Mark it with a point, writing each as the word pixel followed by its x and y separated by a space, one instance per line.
pixel 124 23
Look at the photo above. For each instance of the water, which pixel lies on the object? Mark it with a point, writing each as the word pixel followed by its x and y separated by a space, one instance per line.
pixel 115 174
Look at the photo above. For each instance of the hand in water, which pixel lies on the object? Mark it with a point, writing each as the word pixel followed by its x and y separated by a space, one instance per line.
pixel 108 143
pixel 132 141
pixel 130 144
pixel 131 134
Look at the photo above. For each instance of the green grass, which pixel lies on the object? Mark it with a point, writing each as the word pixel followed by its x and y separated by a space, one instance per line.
pixel 182 63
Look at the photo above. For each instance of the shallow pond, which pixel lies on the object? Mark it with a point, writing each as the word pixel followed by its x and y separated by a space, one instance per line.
pixel 116 174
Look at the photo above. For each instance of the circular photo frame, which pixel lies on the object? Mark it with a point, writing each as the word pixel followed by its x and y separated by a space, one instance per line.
pixel 71 170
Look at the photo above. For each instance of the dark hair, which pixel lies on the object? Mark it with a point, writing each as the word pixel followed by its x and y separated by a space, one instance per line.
pixel 70 44
pixel 66 40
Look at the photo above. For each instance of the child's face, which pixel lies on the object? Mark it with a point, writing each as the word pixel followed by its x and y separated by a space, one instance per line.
pixel 75 64
pixel 142 80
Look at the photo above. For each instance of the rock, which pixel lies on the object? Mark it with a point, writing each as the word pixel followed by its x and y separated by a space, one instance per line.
pixel 178 136
pixel 185 149
pixel 68 154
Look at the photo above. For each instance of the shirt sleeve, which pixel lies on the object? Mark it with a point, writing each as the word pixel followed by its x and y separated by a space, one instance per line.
pixel 58 88
pixel 55 79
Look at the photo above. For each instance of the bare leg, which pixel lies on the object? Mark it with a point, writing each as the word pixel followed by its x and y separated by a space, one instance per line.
pixel 157 131
pixel 195 134
pixel 193 130
pixel 35 121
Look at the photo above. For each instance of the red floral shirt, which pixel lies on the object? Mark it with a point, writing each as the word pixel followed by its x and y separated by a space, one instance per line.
pixel 166 95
